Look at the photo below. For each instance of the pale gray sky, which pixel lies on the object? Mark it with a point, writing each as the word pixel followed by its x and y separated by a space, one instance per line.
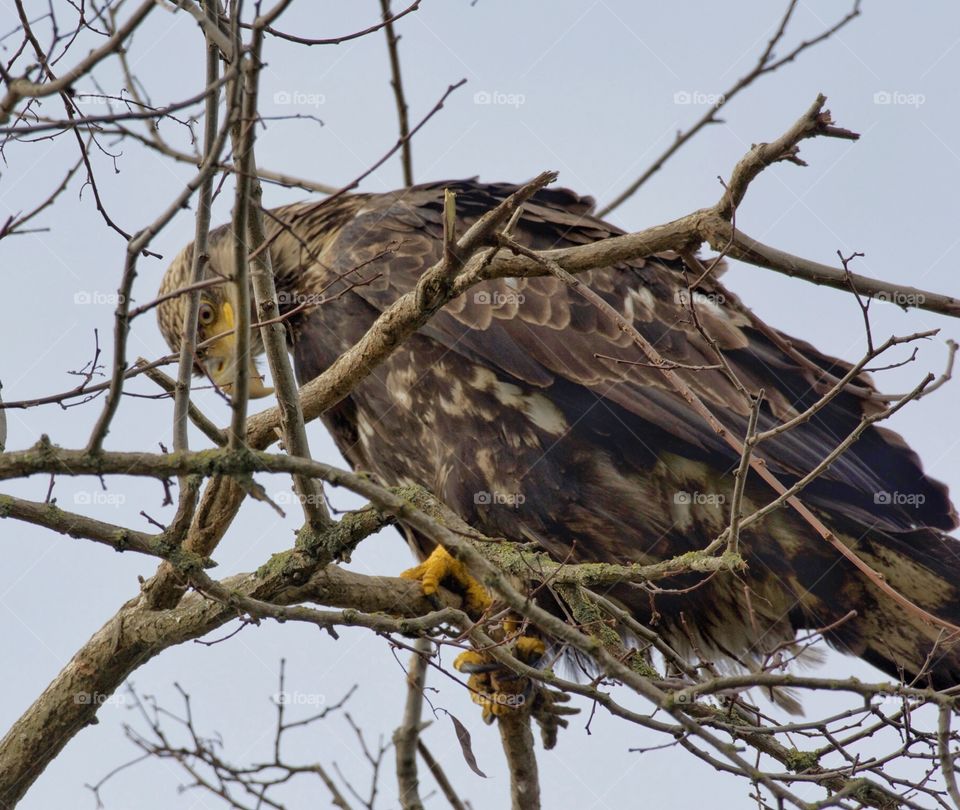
pixel 593 90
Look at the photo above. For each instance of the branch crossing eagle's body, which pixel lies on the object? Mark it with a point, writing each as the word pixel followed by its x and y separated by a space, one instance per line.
pixel 509 406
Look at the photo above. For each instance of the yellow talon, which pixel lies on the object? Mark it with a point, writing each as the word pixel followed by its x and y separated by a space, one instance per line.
pixel 469 660
pixel 530 649
pixel 440 568
pixel 493 687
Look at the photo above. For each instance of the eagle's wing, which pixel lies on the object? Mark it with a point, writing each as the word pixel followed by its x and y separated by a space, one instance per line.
pixel 541 332
pixel 605 487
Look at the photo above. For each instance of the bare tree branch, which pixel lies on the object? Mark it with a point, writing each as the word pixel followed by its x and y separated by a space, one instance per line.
pixel 407 735
pixel 396 82
pixel 764 65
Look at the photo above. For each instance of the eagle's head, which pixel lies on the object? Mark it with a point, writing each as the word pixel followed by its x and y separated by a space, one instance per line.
pixel 216 319
pixel 298 236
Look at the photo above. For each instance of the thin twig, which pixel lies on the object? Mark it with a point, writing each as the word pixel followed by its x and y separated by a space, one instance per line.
pixel 764 65
pixel 396 82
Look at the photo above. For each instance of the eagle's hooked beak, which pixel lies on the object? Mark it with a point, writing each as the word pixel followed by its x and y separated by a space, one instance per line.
pixel 218 359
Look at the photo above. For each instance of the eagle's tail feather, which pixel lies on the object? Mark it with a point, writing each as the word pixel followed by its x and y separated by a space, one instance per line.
pixel 923 566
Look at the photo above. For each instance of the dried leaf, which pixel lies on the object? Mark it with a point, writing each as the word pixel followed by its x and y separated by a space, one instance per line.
pixel 465 745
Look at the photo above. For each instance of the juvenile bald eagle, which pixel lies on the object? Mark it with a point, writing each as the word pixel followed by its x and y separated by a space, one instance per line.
pixel 510 407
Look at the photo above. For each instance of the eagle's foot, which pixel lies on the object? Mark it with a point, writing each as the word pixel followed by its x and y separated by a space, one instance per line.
pixel 441 568
pixel 549 711
pixel 495 688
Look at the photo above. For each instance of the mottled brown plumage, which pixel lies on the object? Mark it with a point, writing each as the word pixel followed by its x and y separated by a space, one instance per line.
pixel 500 406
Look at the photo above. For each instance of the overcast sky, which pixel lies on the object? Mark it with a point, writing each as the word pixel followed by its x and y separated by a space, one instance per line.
pixel 594 90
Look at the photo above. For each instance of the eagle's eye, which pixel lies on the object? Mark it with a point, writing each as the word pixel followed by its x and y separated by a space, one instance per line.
pixel 207 314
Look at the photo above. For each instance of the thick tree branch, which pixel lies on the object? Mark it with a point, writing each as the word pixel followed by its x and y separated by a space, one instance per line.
pixel 407 735
pixel 747 249
pixel 516 736
pixel 137 633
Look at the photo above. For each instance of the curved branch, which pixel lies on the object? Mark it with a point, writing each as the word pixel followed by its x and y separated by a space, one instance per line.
pixel 24 88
